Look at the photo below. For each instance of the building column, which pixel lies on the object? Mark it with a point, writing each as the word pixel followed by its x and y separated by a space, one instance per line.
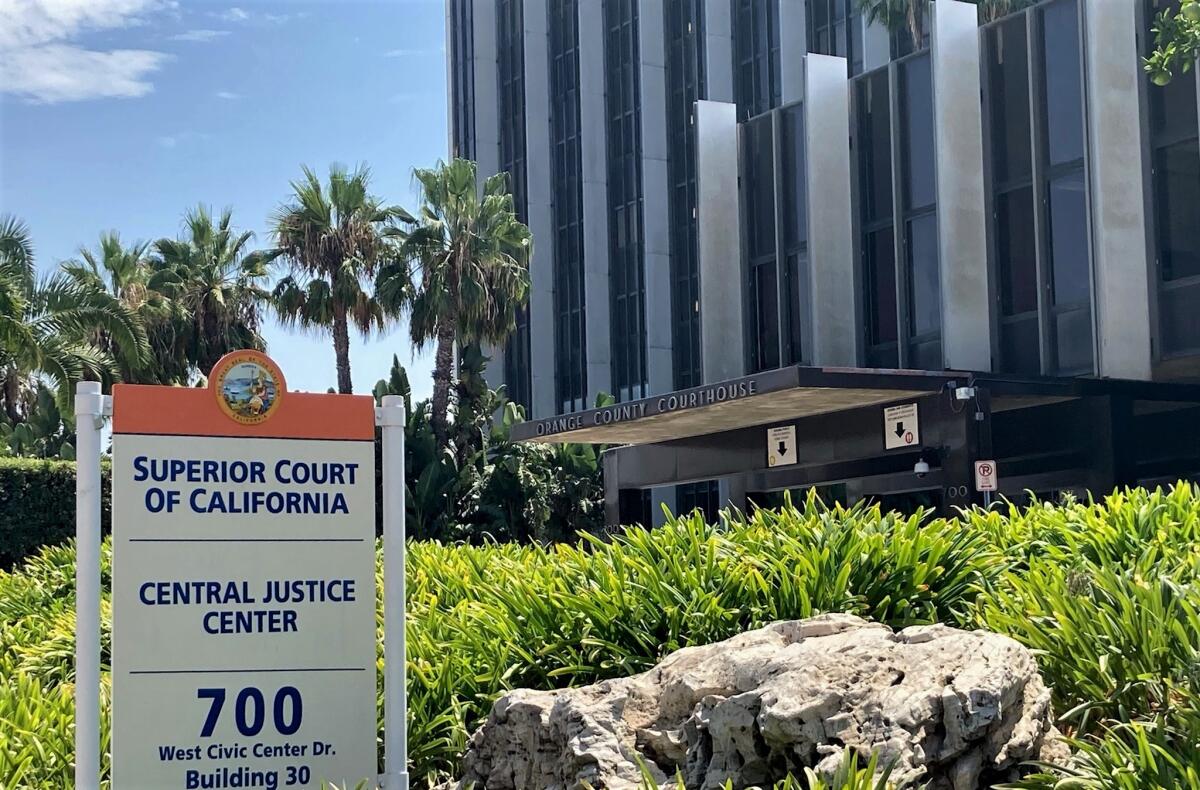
pixel 592 132
pixel 662 495
pixel 1121 266
pixel 793 45
pixel 652 75
pixel 718 49
pixel 539 184
pixel 962 212
pixel 722 348
pixel 833 298
pixel 487 132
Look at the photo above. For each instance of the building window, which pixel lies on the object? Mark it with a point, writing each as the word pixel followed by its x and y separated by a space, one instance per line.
pixel 873 144
pixel 1064 185
pixel 705 497
pixel 462 83
pixel 625 242
pixel 797 313
pixel 905 41
pixel 918 176
pixel 684 33
pixel 1009 124
pixel 756 56
pixel 1041 248
pixel 570 358
pixel 1175 178
pixel 758 187
pixel 510 84
pixel 835 28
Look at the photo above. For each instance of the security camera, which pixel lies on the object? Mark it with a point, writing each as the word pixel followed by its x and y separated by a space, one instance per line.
pixel 921 468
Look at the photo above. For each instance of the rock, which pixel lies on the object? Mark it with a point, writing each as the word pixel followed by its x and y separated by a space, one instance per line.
pixel 946 708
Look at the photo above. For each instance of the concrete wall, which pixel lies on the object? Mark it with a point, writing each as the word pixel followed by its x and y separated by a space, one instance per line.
pixel 541 216
pixel 833 298
pixel 655 217
pixel 487 131
pixel 962 213
pixel 592 133
pixel 722 347
pixel 718 49
pixel 793 44
pixel 1120 265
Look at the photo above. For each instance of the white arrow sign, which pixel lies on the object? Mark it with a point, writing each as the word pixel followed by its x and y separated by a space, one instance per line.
pixel 781 445
pixel 901 427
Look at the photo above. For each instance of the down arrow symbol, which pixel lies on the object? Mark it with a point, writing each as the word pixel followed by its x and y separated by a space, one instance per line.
pixel 899 430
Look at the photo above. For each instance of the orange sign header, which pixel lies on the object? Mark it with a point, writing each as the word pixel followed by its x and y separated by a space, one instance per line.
pixel 246 397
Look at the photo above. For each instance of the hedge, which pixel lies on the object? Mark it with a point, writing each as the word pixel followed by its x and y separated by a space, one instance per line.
pixel 37 505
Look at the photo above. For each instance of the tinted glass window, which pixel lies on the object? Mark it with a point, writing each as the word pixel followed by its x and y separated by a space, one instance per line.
pixel 923 292
pixel 796 294
pixel 764 312
pixel 917 108
pixel 1177 199
pixel 795 192
pixel 1069 240
pixel 875 153
pixel 759 161
pixel 881 287
pixel 1016 248
pixel 1008 85
pixel 1063 100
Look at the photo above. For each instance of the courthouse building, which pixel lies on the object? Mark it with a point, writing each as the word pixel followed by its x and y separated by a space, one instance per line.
pixel 803 252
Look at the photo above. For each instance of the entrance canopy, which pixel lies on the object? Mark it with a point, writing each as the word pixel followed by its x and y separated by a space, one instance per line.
pixel 798 392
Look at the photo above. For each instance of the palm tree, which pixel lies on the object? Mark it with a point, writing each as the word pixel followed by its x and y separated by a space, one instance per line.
pixel 46 327
pixel 471 256
pixel 334 240
pixel 216 286
pixel 124 273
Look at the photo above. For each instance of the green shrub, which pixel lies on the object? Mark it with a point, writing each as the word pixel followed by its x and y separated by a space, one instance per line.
pixel 1105 592
pixel 37 505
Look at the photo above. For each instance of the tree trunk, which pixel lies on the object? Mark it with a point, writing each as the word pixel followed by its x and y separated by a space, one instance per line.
pixel 12 396
pixel 443 372
pixel 341 350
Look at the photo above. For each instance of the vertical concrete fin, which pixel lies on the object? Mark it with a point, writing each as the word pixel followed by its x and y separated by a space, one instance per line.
pixel 541 209
pixel 793 43
pixel 487 130
pixel 1122 274
pixel 962 213
pixel 722 348
pixel 594 160
pixel 718 49
pixel 655 196
pixel 833 299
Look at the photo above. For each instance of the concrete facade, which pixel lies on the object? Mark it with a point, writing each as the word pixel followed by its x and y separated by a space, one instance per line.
pixel 1119 191
pixel 592 128
pixel 833 299
pixel 1121 288
pixel 962 215
pixel 539 175
pixel 722 338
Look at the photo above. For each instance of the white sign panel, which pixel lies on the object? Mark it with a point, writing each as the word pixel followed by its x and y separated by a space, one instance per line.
pixel 243 590
pixel 901 427
pixel 986 478
pixel 781 445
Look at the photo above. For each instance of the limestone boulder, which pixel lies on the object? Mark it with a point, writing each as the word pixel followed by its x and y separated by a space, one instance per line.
pixel 951 709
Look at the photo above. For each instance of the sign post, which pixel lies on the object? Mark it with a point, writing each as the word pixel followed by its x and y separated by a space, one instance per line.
pixel 243 585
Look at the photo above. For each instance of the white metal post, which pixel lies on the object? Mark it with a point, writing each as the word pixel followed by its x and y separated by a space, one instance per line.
pixel 391 418
pixel 89 417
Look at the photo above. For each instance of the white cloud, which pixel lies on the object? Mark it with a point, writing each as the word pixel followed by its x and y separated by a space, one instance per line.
pixel 40 60
pixel 230 95
pixel 234 14
pixel 202 36
pixel 62 72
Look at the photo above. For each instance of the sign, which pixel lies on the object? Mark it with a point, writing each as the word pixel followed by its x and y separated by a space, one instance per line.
pixel 781 445
pixel 986 477
pixel 901 427
pixel 243 584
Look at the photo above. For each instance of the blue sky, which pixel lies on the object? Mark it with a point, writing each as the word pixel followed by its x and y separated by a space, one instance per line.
pixel 121 114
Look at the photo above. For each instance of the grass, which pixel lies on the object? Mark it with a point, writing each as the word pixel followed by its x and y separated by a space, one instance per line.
pixel 1104 592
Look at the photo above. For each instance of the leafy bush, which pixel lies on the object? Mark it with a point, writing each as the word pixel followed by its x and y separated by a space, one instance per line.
pixel 1105 592
pixel 37 505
